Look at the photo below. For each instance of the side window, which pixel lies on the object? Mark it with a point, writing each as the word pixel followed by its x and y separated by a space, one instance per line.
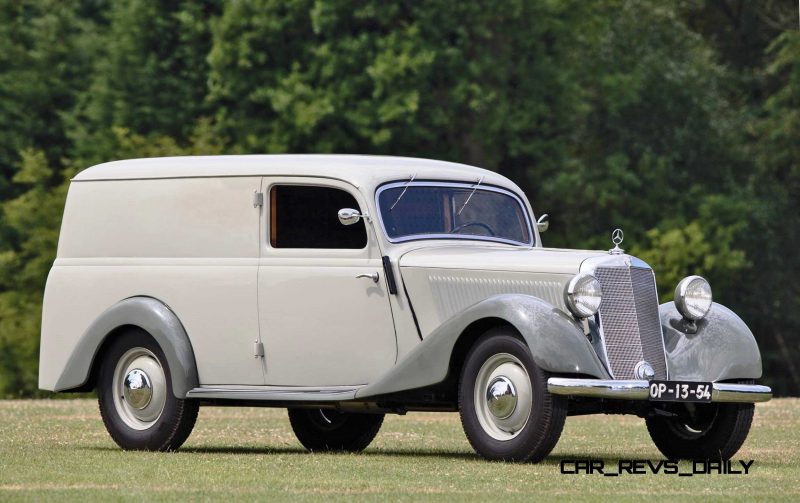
pixel 307 217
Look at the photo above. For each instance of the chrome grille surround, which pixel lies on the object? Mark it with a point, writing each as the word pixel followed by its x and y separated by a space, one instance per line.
pixel 628 320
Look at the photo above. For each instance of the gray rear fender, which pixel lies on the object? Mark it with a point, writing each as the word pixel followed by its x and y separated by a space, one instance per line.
pixel 722 348
pixel 148 314
pixel 556 342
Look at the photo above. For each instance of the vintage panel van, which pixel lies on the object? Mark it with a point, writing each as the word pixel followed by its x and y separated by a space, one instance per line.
pixel 347 287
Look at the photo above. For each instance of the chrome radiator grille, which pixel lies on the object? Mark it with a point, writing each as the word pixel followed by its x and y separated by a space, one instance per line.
pixel 629 320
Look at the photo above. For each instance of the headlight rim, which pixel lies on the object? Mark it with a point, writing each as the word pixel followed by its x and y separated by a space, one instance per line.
pixel 680 297
pixel 569 295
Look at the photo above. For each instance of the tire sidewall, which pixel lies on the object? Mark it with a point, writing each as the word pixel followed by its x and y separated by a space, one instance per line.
pixel 154 437
pixel 518 447
pixel 720 440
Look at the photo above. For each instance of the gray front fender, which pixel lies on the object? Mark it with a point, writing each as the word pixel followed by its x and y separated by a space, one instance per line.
pixel 150 315
pixel 722 348
pixel 556 342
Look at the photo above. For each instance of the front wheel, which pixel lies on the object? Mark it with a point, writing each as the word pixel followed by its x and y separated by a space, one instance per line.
pixel 135 396
pixel 702 431
pixel 331 430
pixel 506 411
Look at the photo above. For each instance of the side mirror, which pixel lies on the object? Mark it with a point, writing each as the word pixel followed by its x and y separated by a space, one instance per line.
pixel 349 216
pixel 543 223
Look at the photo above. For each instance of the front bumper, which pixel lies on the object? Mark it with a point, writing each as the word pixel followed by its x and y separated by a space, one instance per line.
pixel 639 390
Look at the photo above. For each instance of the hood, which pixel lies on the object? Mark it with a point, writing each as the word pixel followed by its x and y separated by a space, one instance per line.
pixel 442 281
pixel 494 258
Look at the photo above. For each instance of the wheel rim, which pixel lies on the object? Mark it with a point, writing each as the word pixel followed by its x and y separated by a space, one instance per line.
pixel 503 396
pixel 139 388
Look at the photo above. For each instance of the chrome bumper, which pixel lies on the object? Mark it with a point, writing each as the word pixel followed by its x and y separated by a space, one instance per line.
pixel 639 390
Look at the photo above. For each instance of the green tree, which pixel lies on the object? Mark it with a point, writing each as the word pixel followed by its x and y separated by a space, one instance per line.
pixel 657 135
pixel 452 80
pixel 150 76
pixel 45 59
pixel 773 299
pixel 34 217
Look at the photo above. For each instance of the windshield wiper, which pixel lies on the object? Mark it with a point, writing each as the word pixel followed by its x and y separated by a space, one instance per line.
pixel 480 180
pixel 405 188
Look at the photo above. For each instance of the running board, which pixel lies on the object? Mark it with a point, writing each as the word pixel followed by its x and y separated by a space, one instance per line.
pixel 276 393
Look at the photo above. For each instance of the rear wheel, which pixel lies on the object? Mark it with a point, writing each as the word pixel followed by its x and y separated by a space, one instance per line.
pixel 506 411
pixel 331 430
pixel 702 431
pixel 135 396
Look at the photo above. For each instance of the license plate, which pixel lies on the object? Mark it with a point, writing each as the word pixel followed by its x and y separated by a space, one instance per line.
pixel 680 391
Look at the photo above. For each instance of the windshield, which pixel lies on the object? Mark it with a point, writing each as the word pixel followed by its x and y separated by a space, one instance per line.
pixel 428 210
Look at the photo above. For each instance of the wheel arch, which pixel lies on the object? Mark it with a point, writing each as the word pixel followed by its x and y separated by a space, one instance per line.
pixel 148 314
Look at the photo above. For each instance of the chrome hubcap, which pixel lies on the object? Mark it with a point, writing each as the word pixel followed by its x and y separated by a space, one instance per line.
pixel 503 396
pixel 139 388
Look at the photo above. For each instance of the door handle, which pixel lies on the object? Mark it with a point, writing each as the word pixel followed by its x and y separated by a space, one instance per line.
pixel 374 276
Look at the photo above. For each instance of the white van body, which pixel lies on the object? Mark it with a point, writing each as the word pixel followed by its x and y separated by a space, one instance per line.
pixel 180 281
pixel 185 231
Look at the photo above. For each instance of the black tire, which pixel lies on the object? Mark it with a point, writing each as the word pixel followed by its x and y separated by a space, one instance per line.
pixel 712 432
pixel 176 419
pixel 330 430
pixel 543 415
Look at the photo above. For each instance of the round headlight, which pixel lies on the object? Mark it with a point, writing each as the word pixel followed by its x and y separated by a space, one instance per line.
pixel 693 297
pixel 583 295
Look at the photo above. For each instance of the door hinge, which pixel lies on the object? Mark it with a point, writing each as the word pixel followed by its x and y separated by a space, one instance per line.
pixel 258 350
pixel 258 199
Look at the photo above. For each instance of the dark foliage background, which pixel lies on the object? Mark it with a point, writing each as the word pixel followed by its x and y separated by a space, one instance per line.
pixel 677 121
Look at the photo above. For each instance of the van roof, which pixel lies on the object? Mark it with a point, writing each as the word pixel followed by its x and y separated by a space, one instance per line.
pixel 360 170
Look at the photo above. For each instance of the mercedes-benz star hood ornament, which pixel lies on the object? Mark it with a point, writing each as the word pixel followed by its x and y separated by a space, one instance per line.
pixel 617 237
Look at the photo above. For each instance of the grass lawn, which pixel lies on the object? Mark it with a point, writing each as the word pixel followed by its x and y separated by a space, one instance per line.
pixel 58 449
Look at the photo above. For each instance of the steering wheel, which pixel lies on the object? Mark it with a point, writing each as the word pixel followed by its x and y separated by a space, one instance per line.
pixel 473 224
